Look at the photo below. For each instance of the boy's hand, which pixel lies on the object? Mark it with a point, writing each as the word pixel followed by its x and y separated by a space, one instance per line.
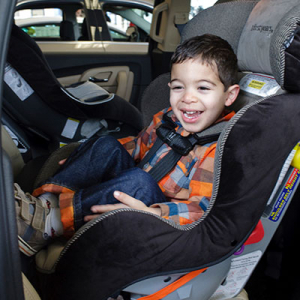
pixel 61 162
pixel 126 202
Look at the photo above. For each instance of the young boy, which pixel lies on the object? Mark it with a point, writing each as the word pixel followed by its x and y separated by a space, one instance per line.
pixel 101 175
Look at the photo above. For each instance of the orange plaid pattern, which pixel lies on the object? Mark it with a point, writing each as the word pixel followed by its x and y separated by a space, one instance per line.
pixel 188 187
pixel 65 203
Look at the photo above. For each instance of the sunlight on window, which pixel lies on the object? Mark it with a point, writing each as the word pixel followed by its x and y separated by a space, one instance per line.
pixel 198 5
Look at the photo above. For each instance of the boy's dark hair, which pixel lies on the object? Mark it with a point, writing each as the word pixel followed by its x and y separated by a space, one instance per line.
pixel 211 49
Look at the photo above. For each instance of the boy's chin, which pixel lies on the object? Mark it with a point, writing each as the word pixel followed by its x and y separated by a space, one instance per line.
pixel 192 129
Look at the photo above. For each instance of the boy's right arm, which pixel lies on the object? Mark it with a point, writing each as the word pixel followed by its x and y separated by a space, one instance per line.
pixel 138 146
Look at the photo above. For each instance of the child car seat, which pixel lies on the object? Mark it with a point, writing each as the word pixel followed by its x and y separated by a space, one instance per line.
pixel 141 253
pixel 35 100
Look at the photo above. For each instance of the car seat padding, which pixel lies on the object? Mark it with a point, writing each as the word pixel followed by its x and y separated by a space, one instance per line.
pixel 27 58
pixel 115 252
pixel 32 66
pixel 218 18
pixel 125 246
pixel 292 64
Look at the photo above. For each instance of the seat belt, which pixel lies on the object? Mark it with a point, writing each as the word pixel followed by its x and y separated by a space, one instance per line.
pixel 181 146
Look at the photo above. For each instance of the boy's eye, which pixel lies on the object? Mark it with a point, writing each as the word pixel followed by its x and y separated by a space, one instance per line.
pixel 203 88
pixel 176 87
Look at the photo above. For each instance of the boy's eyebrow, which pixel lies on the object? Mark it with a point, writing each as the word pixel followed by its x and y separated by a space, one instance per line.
pixel 209 81
pixel 205 80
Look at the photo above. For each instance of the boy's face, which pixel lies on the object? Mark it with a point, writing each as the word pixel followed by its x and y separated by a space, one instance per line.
pixel 197 94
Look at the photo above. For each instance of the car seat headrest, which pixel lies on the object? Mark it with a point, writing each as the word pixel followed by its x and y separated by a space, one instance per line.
pixel 269 42
pixel 67 31
pixel 219 20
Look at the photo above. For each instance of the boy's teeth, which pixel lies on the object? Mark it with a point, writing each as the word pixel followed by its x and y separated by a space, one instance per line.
pixel 190 114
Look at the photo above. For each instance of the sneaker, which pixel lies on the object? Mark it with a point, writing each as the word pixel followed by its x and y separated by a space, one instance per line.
pixel 53 224
pixel 32 214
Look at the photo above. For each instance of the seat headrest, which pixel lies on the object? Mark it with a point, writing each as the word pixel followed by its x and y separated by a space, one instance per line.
pixel 67 31
pixel 226 20
pixel 269 42
pixel 264 34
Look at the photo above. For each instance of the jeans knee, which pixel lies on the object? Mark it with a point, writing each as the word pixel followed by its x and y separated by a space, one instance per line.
pixel 107 140
pixel 107 143
pixel 143 178
pixel 145 187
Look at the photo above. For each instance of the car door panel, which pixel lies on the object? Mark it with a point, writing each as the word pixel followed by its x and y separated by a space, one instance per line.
pixel 126 65
pixel 115 79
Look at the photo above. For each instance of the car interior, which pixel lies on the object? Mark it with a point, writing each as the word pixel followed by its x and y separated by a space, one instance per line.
pixel 71 23
pixel 70 96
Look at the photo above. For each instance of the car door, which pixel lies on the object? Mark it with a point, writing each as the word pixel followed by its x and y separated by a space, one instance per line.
pixel 10 269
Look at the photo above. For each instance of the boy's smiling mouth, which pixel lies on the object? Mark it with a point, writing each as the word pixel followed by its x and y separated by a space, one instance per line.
pixel 190 115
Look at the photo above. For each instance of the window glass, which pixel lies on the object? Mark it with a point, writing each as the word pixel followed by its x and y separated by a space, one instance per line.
pixel 198 5
pixel 43 31
pixel 40 23
pixel 117 35
pixel 125 23
pixel 133 23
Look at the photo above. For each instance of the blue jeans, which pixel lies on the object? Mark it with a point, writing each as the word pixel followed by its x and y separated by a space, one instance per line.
pixel 99 167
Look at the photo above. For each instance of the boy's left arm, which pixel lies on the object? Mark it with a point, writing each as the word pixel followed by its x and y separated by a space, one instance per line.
pixel 183 212
pixel 187 211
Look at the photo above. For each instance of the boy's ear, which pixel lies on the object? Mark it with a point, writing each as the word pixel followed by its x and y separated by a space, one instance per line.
pixel 232 94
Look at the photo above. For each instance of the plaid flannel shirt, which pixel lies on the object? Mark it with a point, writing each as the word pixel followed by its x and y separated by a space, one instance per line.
pixel 188 187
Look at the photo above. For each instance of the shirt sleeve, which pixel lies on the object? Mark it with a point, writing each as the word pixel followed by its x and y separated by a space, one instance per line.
pixel 138 146
pixel 200 190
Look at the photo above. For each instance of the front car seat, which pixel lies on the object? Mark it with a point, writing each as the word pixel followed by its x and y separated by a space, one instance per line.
pixel 129 249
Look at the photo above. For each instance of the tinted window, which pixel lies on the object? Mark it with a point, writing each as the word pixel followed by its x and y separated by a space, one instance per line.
pixel 133 22
pixel 40 23
pixel 42 31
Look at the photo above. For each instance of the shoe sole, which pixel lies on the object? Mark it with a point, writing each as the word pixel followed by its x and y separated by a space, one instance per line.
pixel 25 248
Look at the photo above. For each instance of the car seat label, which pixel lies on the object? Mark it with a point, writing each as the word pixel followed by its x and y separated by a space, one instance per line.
pixel 16 82
pixel 283 172
pixel 240 270
pixel 70 128
pixel 285 195
pixel 258 84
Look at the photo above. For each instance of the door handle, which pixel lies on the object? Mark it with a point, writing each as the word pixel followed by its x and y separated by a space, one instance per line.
pixel 94 79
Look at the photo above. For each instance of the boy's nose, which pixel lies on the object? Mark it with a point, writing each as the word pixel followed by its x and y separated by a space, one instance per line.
pixel 189 97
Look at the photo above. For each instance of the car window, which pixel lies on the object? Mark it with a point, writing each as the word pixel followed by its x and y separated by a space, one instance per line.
pixel 198 5
pixel 40 23
pixel 117 35
pixel 135 23
pixel 125 23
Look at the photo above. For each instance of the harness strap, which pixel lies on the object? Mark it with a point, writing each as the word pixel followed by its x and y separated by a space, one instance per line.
pixel 158 143
pixel 181 146
pixel 165 165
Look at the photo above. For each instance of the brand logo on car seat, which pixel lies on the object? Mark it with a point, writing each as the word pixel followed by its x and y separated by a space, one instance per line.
pixel 262 28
